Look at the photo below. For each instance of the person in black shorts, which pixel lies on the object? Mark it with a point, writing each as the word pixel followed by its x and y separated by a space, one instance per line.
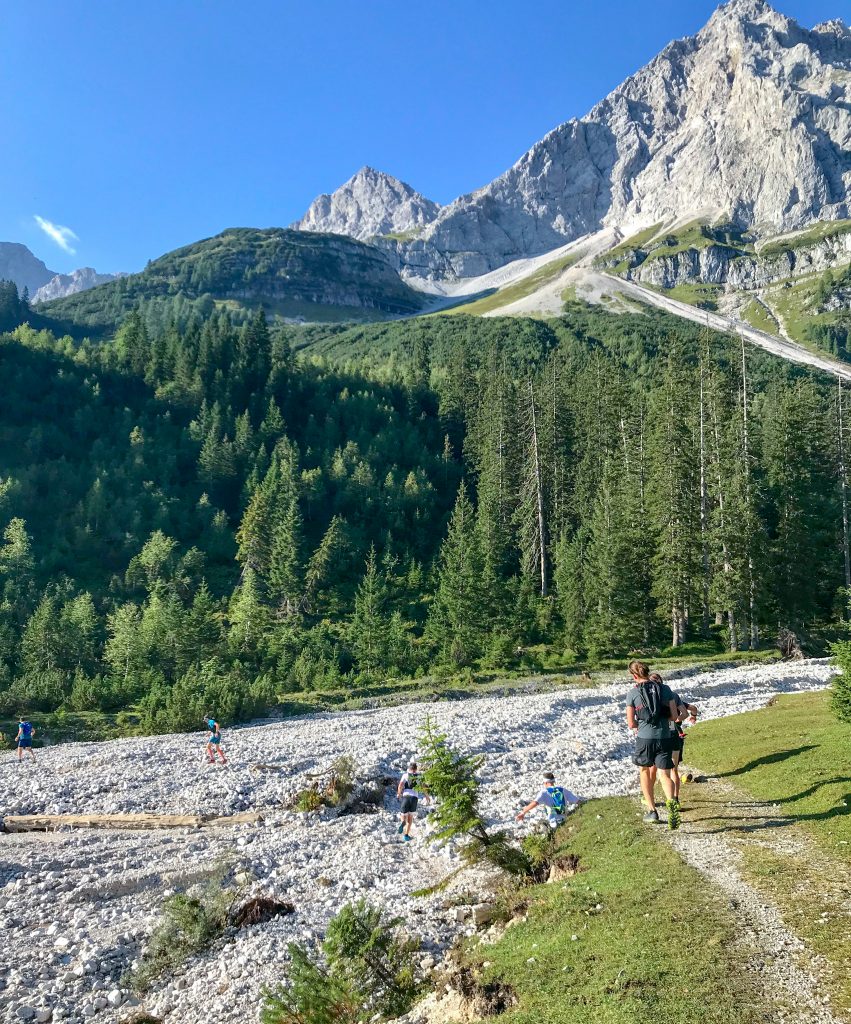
pixel 685 713
pixel 408 794
pixel 650 710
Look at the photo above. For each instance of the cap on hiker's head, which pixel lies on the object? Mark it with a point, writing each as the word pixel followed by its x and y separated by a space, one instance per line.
pixel 549 776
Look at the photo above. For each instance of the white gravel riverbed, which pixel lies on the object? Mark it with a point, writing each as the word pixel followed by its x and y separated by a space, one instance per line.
pixel 76 907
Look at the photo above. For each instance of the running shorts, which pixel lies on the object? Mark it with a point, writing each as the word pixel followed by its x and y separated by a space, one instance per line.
pixel 650 752
pixel 409 804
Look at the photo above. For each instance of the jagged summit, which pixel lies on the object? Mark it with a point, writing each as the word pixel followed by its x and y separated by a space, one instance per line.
pixel 834 27
pixel 370 203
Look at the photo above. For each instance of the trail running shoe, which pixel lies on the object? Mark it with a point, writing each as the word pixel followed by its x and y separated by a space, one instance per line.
pixel 408 839
pixel 401 828
pixel 673 814
pixel 651 818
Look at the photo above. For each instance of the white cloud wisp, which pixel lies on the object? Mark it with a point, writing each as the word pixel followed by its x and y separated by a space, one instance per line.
pixel 61 235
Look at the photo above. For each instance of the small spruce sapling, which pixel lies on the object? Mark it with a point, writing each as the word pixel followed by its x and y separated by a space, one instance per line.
pixel 450 777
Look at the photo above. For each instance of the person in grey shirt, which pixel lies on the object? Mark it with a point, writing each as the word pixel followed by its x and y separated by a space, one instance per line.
pixel 650 709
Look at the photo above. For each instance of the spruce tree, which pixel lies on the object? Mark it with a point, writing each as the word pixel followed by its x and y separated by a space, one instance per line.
pixel 456 608
pixel 368 632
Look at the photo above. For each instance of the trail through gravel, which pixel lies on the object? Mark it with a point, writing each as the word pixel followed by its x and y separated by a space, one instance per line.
pixel 76 907
pixel 790 975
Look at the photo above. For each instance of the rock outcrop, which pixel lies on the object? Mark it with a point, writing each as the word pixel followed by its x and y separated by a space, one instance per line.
pixel 734 269
pixel 369 204
pixel 80 280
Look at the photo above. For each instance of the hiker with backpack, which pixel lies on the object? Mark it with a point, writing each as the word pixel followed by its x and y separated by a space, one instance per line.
pixel 554 798
pixel 408 793
pixel 651 709
pixel 24 739
pixel 214 742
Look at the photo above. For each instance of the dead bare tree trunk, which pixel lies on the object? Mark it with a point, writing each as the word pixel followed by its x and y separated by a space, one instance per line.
pixel 539 492
pixel 704 529
pixel 843 486
pixel 753 625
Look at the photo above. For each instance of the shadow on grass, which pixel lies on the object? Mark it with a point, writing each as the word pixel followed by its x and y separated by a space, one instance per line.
pixel 775 758
pixel 810 790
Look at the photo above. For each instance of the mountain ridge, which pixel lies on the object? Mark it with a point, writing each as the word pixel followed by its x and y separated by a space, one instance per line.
pixel 669 142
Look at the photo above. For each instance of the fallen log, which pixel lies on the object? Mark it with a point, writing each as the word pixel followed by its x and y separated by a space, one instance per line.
pixel 51 822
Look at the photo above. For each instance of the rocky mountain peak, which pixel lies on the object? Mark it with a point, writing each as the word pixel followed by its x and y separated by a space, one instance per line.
pixel 834 27
pixel 70 284
pixel 370 203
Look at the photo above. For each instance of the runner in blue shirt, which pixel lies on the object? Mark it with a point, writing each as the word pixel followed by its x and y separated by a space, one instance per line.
pixel 24 739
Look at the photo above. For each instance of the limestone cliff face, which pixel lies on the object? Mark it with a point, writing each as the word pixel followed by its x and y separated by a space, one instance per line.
pixel 724 265
pixel 749 120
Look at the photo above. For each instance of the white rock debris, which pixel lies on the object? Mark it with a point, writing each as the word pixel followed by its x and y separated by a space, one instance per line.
pixel 77 907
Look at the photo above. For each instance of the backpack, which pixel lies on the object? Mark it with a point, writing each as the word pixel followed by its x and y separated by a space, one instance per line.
pixel 557 794
pixel 412 780
pixel 26 730
pixel 655 710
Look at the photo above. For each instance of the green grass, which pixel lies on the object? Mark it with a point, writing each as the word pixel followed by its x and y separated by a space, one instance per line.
pixel 794 754
pixel 652 943
pixel 704 296
pixel 403 236
pixel 809 236
pixel 756 314
pixel 517 290
pixel 795 841
pixel 629 245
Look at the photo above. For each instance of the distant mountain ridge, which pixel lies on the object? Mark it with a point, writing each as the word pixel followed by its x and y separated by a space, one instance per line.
pixel 750 120
pixel 70 284
pixel 19 265
pixel 25 270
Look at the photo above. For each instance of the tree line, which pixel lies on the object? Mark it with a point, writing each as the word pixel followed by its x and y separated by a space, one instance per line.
pixel 212 515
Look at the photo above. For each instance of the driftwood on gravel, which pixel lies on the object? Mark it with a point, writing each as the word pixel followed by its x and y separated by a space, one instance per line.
pixel 50 822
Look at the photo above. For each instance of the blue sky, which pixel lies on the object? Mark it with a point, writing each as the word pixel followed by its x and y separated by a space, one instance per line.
pixel 142 126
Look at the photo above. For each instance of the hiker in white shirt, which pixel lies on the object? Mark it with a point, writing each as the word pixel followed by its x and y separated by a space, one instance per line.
pixel 554 798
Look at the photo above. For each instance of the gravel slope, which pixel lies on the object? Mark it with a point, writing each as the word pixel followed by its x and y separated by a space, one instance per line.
pixel 75 907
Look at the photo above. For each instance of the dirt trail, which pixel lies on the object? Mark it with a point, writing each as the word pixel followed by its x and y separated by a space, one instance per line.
pixel 720 824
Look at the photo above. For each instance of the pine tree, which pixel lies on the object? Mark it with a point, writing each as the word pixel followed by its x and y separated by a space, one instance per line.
pixel 673 501
pixel 454 616
pixel 532 506
pixel 248 616
pixel 124 650
pixel 368 631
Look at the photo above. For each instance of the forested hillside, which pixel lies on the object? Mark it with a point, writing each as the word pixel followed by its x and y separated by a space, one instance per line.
pixel 290 273
pixel 214 516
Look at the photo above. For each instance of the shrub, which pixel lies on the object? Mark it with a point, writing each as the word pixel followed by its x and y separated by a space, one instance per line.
pixel 307 800
pixel 840 698
pixel 342 781
pixel 369 974
pixel 188 925
pixel 335 792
